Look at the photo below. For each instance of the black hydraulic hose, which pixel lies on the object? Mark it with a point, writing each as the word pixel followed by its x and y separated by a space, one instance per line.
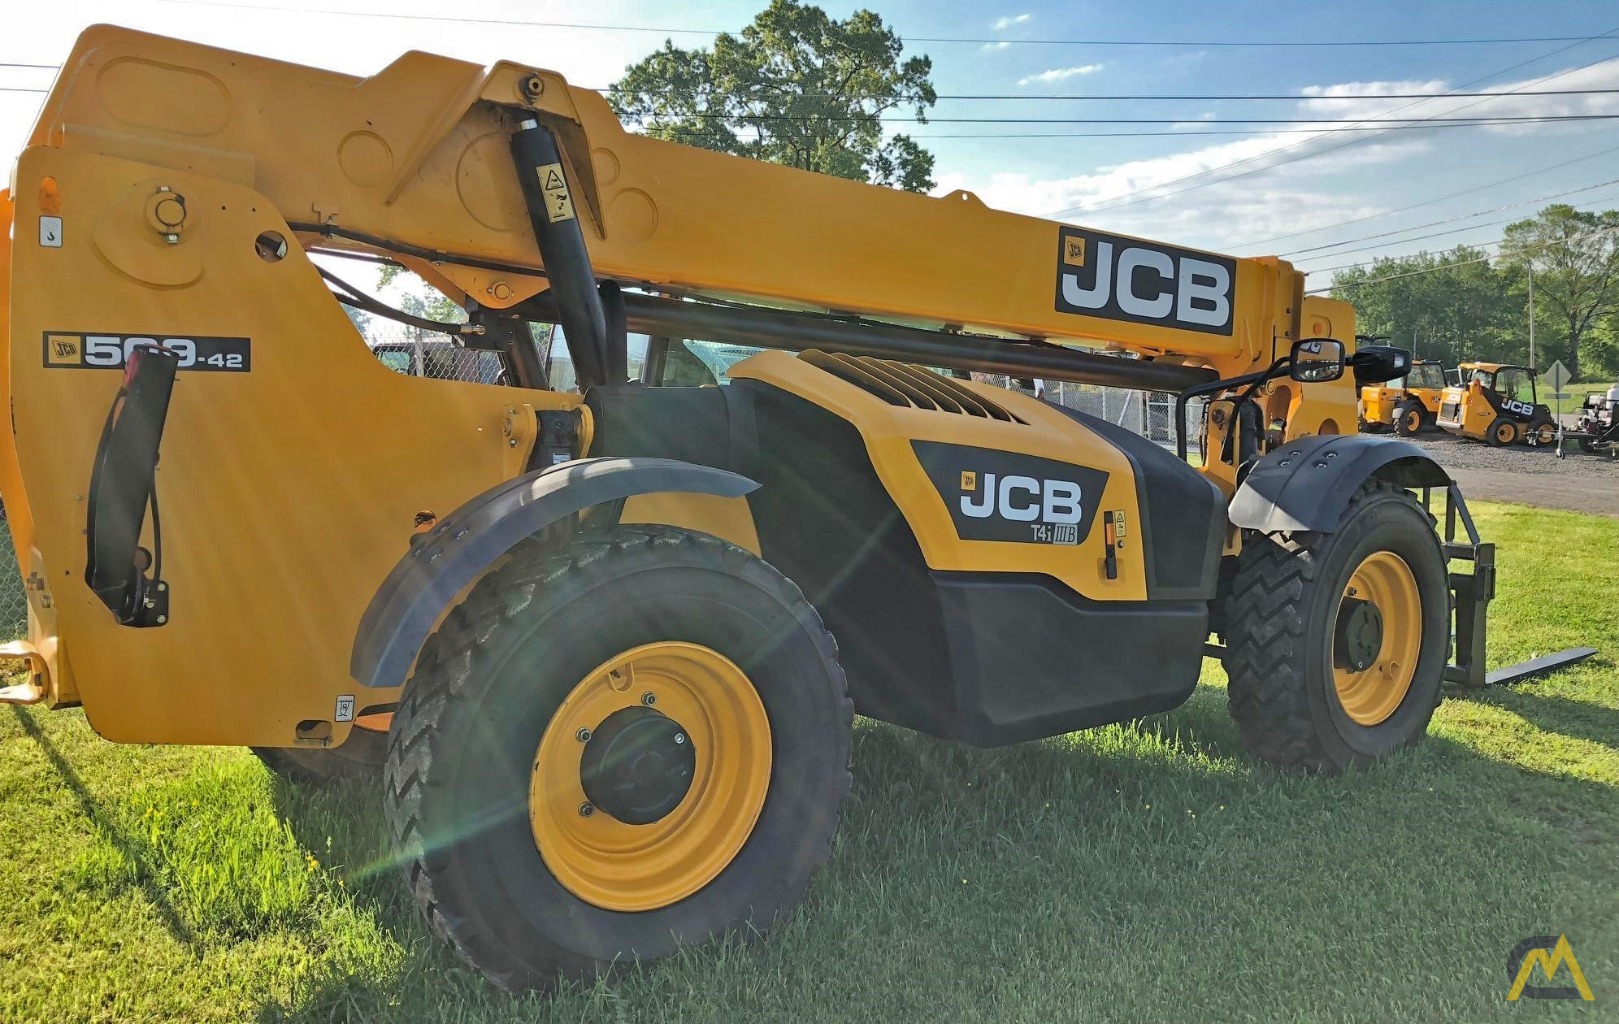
pixel 352 296
pixel 406 249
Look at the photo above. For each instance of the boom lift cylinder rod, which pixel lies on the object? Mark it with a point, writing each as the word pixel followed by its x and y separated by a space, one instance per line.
pixel 549 198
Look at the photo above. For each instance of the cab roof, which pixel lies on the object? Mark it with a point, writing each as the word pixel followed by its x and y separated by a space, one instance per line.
pixel 1496 367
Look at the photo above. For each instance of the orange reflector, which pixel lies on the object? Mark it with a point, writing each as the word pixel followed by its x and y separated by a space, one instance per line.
pixel 50 200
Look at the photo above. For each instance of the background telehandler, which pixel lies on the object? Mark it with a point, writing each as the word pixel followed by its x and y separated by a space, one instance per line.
pixel 609 644
pixel 1406 405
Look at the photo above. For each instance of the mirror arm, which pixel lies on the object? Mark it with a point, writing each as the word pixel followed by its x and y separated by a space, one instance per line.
pixel 1252 380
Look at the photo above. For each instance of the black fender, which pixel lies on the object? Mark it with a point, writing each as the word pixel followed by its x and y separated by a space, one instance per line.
pixel 470 539
pixel 1305 484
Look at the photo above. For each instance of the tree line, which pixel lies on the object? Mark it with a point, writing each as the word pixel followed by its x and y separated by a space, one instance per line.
pixel 1466 304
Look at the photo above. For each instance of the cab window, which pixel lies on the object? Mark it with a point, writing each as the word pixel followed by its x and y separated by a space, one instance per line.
pixel 1516 385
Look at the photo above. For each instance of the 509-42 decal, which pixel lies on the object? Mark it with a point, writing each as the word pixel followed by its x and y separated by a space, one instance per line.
pixel 64 350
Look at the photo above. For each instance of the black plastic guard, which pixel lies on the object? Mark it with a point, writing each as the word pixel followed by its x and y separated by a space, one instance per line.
pixel 1305 484
pixel 122 479
pixel 470 539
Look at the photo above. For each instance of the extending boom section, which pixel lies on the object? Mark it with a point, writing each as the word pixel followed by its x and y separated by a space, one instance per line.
pixel 417 159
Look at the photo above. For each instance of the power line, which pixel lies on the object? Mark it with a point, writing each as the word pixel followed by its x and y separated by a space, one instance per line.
pixel 1152 192
pixel 1448 220
pixel 1406 122
pixel 1290 44
pixel 1430 202
pixel 18 88
pixel 1449 266
pixel 1235 131
pixel 1102 97
pixel 1197 97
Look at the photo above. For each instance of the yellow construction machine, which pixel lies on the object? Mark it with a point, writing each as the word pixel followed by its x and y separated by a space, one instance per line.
pixel 606 644
pixel 1407 405
pixel 1497 403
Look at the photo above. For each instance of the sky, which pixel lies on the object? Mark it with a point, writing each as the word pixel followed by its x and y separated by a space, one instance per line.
pixel 1320 199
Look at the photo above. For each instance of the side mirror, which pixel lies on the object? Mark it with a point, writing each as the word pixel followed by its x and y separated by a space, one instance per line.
pixel 1377 364
pixel 1317 360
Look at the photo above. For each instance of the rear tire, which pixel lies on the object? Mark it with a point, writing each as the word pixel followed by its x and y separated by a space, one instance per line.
pixel 1285 637
pixel 530 646
pixel 1544 433
pixel 1504 432
pixel 360 757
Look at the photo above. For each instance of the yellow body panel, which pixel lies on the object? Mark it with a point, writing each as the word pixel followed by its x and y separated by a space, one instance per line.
pixel 1472 413
pixel 889 430
pixel 417 153
pixel 297 483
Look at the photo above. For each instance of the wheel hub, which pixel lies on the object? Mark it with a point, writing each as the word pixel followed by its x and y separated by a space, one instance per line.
pixel 637 765
pixel 1359 635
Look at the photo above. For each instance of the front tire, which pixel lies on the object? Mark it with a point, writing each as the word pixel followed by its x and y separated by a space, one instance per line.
pixel 1504 432
pixel 1336 642
pixel 535 854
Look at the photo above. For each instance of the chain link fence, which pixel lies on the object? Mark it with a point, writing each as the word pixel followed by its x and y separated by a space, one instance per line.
pixel 13 603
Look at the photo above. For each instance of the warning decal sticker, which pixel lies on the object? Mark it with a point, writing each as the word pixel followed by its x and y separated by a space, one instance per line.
pixel 558 204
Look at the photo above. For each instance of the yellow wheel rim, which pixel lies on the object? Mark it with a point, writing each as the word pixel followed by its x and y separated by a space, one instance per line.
pixel 1371 692
pixel 617 865
pixel 1506 433
pixel 1413 421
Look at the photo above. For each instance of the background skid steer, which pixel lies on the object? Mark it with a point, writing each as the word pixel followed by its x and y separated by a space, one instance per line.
pixel 1496 403
pixel 610 643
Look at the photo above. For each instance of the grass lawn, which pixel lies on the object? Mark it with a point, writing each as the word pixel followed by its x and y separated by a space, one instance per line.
pixel 1144 873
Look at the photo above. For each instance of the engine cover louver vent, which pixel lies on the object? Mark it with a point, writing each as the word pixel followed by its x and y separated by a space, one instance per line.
pixel 905 385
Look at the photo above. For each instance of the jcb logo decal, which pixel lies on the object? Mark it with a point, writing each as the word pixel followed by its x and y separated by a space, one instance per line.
pixel 1550 953
pixel 1005 496
pixel 1126 279
pixel 1024 499
pixel 63 349
pixel 1521 408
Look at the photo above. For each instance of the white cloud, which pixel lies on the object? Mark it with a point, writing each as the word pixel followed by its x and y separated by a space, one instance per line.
pixel 1002 24
pixel 1203 204
pixel 1061 74
pixel 1001 45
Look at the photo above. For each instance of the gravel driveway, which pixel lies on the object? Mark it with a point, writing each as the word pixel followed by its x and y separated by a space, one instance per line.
pixel 1529 476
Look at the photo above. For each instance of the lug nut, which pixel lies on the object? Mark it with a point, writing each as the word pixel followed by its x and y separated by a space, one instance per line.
pixel 680 738
pixel 586 810
pixel 648 698
pixel 583 735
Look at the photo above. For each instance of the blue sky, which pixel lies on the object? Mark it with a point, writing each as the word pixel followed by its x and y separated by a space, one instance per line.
pixel 1102 182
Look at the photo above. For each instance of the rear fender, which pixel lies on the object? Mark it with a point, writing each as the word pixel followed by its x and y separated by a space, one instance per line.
pixel 1306 484
pixel 469 540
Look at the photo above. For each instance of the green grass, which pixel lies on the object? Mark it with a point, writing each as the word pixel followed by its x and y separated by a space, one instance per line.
pixel 1143 873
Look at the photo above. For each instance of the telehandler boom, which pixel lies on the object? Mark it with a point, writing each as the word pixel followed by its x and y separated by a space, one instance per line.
pixel 606 644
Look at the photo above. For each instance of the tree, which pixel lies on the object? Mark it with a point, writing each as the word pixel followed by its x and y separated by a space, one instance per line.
pixel 796 87
pixel 1574 257
pixel 1450 306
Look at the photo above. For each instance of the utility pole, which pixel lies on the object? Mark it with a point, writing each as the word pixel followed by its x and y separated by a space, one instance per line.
pixel 1531 265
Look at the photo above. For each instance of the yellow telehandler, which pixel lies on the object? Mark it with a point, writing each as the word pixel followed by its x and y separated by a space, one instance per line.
pixel 604 646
